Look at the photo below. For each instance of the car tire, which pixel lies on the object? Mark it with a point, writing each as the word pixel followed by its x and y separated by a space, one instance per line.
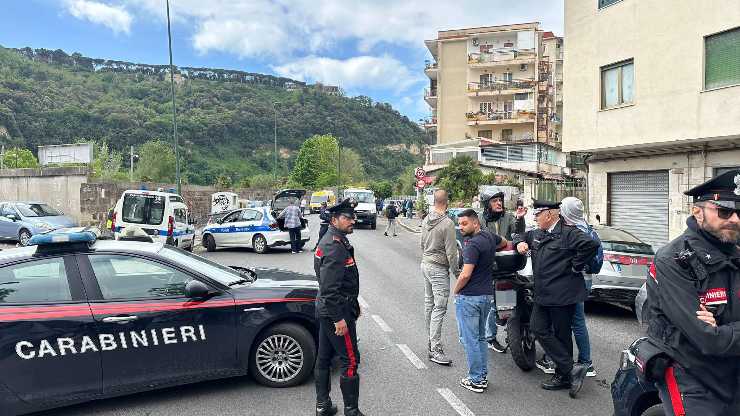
pixel 209 242
pixel 275 348
pixel 524 355
pixel 24 236
pixel 259 244
pixel 374 225
pixel 656 410
pixel 191 246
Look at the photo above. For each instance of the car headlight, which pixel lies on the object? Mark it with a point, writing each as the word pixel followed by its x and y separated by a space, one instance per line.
pixel 44 225
pixel 626 360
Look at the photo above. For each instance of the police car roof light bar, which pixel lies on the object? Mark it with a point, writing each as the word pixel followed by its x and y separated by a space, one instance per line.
pixel 62 237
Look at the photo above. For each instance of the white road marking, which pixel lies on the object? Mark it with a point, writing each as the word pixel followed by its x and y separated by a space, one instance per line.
pixel 456 403
pixel 411 356
pixel 362 302
pixel 381 323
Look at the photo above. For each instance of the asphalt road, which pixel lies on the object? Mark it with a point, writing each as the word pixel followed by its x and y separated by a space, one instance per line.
pixel 397 378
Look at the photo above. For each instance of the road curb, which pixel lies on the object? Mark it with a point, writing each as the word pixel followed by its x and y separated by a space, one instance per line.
pixel 408 228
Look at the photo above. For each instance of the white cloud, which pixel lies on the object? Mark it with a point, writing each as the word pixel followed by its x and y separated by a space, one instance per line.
pixel 113 17
pixel 366 72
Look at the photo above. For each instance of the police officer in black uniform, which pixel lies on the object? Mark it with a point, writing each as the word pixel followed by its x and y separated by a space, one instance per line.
pixel 338 309
pixel 325 218
pixel 694 302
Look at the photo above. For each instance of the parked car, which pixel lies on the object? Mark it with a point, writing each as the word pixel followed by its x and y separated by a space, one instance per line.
pixel 630 396
pixel 83 320
pixel 19 221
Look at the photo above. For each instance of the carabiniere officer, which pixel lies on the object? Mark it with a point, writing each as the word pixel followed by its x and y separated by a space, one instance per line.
pixel 338 309
pixel 694 303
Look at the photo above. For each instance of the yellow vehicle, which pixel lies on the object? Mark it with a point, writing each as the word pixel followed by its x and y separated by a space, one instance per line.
pixel 321 196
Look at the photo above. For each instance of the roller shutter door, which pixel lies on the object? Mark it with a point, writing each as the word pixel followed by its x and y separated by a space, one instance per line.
pixel 639 204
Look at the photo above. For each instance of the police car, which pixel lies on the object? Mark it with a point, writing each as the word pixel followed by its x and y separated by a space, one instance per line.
pixel 254 228
pixel 82 319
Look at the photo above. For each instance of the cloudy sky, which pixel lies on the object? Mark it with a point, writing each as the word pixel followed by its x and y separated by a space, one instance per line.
pixel 373 47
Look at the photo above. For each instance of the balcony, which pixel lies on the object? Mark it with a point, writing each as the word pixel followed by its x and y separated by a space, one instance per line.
pixel 476 89
pixel 430 96
pixel 501 57
pixel 431 69
pixel 499 117
pixel 430 123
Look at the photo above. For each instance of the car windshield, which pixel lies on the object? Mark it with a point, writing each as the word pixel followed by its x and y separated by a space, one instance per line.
pixel 366 197
pixel 143 209
pixel 317 199
pixel 222 274
pixel 37 210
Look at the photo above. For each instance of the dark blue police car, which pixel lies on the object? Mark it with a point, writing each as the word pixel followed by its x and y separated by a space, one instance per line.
pixel 630 396
pixel 82 319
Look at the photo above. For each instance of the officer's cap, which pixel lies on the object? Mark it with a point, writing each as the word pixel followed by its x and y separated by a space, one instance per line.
pixel 722 190
pixel 540 205
pixel 347 206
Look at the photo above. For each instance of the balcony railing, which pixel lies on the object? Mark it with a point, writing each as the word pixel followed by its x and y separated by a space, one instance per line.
pixel 523 84
pixel 520 116
pixel 430 92
pixel 501 55
pixel 430 65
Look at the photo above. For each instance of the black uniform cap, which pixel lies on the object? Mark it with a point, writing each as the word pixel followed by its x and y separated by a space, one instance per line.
pixel 540 205
pixel 722 190
pixel 347 206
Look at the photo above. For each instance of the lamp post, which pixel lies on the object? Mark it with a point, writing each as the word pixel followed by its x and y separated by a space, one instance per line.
pixel 174 108
pixel 274 165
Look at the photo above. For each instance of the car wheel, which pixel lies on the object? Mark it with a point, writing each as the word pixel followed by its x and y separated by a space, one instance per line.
pixel 283 356
pixel 373 225
pixel 656 410
pixel 259 243
pixel 209 242
pixel 24 236
pixel 190 247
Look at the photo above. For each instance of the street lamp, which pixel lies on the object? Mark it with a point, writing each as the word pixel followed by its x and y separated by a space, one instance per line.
pixel 174 108
pixel 274 165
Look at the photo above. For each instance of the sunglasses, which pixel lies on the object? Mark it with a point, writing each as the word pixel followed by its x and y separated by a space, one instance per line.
pixel 724 213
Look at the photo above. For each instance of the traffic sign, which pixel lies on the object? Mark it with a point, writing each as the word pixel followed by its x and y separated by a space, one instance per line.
pixel 421 183
pixel 419 173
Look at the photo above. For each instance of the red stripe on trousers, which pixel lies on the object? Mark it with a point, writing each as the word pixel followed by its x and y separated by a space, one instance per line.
pixel 350 354
pixel 674 393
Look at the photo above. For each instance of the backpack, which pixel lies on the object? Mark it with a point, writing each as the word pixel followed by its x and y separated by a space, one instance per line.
pixel 594 266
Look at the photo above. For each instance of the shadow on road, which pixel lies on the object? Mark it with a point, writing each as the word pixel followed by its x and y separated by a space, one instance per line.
pixel 609 310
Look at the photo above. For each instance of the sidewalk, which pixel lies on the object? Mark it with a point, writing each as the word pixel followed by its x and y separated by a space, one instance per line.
pixel 412 225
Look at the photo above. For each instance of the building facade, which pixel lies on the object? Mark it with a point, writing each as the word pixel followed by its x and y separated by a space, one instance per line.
pixel 653 94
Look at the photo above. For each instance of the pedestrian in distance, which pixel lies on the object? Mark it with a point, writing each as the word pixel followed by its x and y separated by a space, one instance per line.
pixel 694 308
pixel 439 259
pixel 338 310
pixel 304 204
pixel 559 254
pixel 325 218
pixel 504 224
pixel 473 291
pixel 293 221
pixel 391 213
pixel 409 209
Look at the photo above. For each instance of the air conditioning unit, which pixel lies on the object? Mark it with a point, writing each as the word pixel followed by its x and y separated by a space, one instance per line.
pixel 523 67
pixel 475 42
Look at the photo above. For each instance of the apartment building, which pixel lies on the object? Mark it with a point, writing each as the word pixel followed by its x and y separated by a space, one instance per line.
pixel 495 94
pixel 653 95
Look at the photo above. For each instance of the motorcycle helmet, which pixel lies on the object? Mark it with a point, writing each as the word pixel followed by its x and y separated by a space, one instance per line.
pixel 486 194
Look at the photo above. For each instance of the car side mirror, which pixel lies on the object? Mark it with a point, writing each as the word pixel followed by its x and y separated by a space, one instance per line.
pixel 12 217
pixel 195 289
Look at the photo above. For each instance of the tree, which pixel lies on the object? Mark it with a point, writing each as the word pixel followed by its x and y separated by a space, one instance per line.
pixel 382 189
pixel 223 182
pixel 17 158
pixel 315 161
pixel 262 181
pixel 404 184
pixel 156 162
pixel 107 163
pixel 245 183
pixel 461 178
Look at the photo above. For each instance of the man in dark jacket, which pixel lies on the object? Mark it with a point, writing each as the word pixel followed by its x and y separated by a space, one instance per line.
pixel 559 254
pixel 338 310
pixel 500 222
pixel 391 213
pixel 325 218
pixel 697 275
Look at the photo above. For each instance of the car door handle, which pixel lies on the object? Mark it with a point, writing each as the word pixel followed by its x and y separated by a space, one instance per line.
pixel 120 319
pixel 253 309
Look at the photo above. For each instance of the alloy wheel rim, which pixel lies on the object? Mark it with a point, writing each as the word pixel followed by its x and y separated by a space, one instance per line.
pixel 279 358
pixel 260 243
pixel 25 237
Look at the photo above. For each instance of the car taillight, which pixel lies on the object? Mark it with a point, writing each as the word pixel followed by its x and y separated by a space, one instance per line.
pixel 113 222
pixel 504 285
pixel 627 260
pixel 170 226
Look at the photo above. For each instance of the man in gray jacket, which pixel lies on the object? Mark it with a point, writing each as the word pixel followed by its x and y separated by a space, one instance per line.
pixel 439 258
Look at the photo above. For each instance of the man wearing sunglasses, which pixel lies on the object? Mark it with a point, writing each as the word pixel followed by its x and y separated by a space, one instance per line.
pixel 694 303
pixel 338 309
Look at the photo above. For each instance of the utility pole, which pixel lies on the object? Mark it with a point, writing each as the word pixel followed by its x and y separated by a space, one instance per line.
pixel 174 108
pixel 2 158
pixel 131 166
pixel 339 167
pixel 274 163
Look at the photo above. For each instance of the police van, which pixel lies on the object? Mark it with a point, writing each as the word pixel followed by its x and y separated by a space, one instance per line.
pixel 84 319
pixel 162 215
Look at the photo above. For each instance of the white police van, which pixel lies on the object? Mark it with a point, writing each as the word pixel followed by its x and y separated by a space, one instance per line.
pixel 162 215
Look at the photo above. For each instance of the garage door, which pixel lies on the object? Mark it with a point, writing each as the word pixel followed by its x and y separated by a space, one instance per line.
pixel 639 204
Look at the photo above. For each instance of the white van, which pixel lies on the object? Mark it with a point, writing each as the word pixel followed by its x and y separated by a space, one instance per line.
pixel 223 202
pixel 365 211
pixel 162 215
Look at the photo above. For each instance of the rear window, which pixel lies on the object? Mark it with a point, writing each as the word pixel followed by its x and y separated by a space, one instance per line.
pixel 632 248
pixel 365 197
pixel 143 209
pixel 37 210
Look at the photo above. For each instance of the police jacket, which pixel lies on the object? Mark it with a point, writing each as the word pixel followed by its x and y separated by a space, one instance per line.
pixel 558 260
pixel 339 280
pixel 692 269
pixel 505 225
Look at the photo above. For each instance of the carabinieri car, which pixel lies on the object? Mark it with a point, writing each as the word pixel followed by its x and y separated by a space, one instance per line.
pixel 82 319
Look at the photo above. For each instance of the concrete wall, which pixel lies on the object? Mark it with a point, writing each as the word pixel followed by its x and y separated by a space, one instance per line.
pixel 58 187
pixel 685 170
pixel 666 40
pixel 451 90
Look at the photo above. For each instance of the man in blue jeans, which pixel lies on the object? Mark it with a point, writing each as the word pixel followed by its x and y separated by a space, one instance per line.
pixel 473 291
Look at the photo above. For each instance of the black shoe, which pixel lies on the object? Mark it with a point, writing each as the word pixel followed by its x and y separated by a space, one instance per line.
pixel 351 394
pixel 385 234
pixel 577 375
pixel 494 345
pixel 557 382
pixel 547 366
pixel 326 408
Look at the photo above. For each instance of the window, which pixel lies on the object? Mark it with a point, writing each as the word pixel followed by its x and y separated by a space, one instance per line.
pixel 126 277
pixel 521 96
pixel 251 215
pixel 719 171
pixel 37 210
pixel 507 77
pixel 181 215
pixel 487 79
pixel 617 84
pixel 486 107
pixel 6 209
pixel 488 134
pixel 604 3
pixel 35 281
pixel 143 209
pixel 722 59
pixel 506 134
pixel 217 272
pixel 176 198
pixel 233 217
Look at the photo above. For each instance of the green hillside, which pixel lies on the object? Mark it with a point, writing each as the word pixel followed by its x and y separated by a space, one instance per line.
pixel 225 118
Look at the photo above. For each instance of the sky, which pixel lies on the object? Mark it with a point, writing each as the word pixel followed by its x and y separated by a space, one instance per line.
pixel 374 47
